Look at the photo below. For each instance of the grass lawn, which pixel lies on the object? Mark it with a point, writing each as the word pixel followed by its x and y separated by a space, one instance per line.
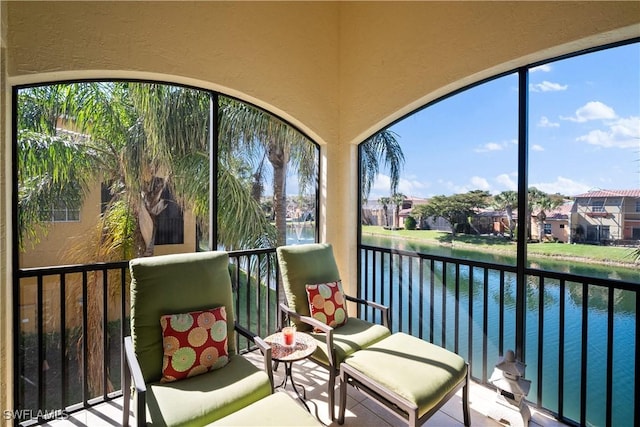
pixel 601 254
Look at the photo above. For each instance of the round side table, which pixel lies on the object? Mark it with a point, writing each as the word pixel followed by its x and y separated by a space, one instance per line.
pixel 303 347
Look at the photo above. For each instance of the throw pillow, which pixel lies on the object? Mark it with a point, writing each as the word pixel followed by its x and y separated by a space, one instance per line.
pixel 327 303
pixel 194 343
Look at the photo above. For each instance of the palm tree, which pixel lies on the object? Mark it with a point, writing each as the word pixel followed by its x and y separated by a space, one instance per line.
pixel 541 201
pixel 384 148
pixel 259 135
pixel 507 201
pixel 142 139
pixel 397 199
pixel 385 202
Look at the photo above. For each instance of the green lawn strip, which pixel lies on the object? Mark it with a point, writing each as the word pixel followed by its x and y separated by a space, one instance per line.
pixel 499 245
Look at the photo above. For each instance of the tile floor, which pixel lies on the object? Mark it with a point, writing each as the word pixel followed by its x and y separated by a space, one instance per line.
pixel 361 410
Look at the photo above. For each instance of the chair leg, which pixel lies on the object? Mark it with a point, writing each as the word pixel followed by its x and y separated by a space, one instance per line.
pixel 465 400
pixel 343 398
pixel 126 395
pixel 332 396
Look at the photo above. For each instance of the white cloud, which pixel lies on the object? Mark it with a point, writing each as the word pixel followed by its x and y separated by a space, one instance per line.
pixel 622 133
pixel 562 185
pixel 545 68
pixel 407 186
pixel 547 86
pixel 381 184
pixel 546 123
pixel 593 110
pixel 411 187
pixel 452 188
pixel 537 147
pixel 480 183
pixel 507 181
pixel 495 146
pixel 490 146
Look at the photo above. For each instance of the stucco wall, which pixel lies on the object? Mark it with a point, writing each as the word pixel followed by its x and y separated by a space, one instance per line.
pixel 5 273
pixel 397 56
pixel 279 55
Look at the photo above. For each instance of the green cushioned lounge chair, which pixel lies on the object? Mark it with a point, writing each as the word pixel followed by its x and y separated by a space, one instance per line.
pixel 182 283
pixel 411 377
pixel 309 264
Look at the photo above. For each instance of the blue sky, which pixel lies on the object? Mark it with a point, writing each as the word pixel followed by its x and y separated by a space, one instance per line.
pixel 584 132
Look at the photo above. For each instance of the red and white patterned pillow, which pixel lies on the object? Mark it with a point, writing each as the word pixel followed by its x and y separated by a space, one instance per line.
pixel 327 303
pixel 193 343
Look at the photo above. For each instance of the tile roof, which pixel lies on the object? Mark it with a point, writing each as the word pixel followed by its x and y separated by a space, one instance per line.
pixel 610 193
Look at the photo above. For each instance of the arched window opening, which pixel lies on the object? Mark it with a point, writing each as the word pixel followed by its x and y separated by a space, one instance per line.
pixel 512 223
pixel 106 171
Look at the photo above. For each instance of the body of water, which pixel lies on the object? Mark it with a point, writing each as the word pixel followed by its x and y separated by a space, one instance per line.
pixel 552 298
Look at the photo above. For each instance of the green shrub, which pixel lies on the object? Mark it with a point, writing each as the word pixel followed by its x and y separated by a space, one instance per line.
pixel 410 223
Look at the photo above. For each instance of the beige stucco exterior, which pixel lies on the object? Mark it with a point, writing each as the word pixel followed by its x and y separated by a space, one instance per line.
pixel 337 70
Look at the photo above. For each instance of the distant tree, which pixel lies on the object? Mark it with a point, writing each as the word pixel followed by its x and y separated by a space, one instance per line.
pixel 419 212
pixel 456 208
pixel 396 200
pixel 385 202
pixel 507 201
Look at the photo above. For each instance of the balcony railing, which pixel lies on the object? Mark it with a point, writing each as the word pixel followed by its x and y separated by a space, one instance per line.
pixel 71 321
pixel 582 334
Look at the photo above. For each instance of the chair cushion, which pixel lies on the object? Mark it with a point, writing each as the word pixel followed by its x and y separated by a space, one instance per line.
pixel 276 410
pixel 301 265
pixel 206 398
pixel 204 283
pixel 356 334
pixel 421 372
pixel 194 343
pixel 327 303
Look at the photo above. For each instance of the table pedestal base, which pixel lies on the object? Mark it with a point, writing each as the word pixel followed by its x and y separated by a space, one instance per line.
pixel 288 375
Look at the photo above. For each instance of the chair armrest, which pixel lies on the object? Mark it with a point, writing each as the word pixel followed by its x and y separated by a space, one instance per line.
pixel 383 308
pixel 134 371
pixel 265 349
pixel 318 325
pixel 315 323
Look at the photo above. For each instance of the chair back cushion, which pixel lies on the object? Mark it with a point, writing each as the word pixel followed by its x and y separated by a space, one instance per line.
pixel 302 265
pixel 174 284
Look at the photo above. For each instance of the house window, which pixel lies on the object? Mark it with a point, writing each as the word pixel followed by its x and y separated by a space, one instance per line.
pixel 170 222
pixel 597 206
pixel 637 205
pixel 547 229
pixel 61 212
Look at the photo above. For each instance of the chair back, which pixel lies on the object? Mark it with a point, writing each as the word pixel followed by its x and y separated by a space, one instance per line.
pixel 302 265
pixel 174 284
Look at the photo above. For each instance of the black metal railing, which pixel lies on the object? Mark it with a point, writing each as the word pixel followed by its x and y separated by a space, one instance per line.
pixel 73 319
pixel 581 348
pixel 582 334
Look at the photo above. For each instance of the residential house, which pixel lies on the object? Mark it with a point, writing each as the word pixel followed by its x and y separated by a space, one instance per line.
pixel 557 224
pixel 607 217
